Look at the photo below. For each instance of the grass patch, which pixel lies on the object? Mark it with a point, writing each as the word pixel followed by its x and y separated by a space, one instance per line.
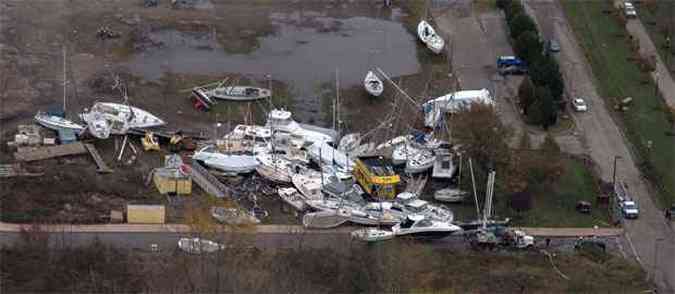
pixel 656 17
pixel 606 48
pixel 554 204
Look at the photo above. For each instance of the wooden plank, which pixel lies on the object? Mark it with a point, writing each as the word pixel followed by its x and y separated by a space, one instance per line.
pixel 102 167
pixel 46 152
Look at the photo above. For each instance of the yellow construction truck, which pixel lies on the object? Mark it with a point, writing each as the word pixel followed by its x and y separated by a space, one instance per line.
pixel 376 176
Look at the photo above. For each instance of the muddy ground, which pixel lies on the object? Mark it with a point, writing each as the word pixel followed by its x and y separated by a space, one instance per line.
pixel 35 35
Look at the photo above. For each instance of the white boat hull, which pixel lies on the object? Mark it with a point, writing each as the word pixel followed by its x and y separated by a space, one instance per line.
pixel 450 195
pixel 239 93
pixel 373 84
pixel 372 235
pixel 428 36
pixel 56 122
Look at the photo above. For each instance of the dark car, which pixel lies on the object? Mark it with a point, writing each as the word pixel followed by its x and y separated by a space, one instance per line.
pixel 583 207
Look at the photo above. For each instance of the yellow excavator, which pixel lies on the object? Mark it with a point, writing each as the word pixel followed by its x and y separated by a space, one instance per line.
pixel 150 142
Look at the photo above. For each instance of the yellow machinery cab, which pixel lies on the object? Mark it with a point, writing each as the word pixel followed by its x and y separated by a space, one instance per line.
pixel 376 176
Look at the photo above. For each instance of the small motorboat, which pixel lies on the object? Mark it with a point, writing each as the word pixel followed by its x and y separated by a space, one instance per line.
pixel 203 98
pixel 199 246
pixel 450 195
pixel 239 93
pixel 372 235
pixel 373 84
pixel 56 122
pixel 420 162
pixel 428 35
pixel 421 227
pixel 292 197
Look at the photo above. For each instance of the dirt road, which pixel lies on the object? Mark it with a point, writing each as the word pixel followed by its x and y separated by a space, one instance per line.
pixel 603 141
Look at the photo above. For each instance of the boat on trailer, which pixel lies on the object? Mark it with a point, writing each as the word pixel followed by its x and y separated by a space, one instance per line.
pixel 421 227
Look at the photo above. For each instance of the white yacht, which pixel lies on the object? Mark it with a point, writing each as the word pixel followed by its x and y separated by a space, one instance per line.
pixel 279 120
pixel 309 186
pixel 421 227
pixel 228 163
pixel 323 153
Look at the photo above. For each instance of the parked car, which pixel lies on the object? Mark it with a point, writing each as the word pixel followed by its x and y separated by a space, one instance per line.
pixel 507 61
pixel 629 209
pixel 579 104
pixel 629 10
pixel 583 206
pixel 553 46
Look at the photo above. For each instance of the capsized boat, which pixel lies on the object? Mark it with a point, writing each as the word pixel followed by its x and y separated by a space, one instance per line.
pixel 428 35
pixel 233 216
pixel 203 97
pixel 373 84
pixel 56 122
pixel 239 93
pixel 372 235
pixel 199 246
pixel 292 197
pixel 421 227
pixel 228 163
pixel 450 195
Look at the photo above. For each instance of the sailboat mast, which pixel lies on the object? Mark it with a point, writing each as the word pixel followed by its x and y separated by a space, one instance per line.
pixel 64 80
pixel 473 183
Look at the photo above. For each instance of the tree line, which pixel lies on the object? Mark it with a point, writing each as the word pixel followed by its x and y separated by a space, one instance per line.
pixel 540 93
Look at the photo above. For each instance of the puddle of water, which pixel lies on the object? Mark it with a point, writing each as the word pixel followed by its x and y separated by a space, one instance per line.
pixel 304 52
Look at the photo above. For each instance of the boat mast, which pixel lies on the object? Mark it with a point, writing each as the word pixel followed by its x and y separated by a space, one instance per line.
pixel 473 183
pixel 64 80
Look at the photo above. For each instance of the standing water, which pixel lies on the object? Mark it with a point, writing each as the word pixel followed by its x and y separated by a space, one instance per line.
pixel 304 51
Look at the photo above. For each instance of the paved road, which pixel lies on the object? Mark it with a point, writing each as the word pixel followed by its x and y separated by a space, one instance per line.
pixel 603 140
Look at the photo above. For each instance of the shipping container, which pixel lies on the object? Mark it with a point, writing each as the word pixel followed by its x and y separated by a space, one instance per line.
pixel 145 214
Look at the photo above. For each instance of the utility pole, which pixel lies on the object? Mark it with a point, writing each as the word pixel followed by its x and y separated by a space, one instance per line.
pixel 614 171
